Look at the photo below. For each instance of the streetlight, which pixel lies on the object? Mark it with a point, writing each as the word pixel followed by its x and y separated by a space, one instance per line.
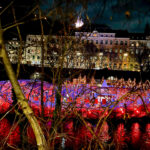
pixel 79 23
pixel 101 53
pixel 36 76
pixel 125 54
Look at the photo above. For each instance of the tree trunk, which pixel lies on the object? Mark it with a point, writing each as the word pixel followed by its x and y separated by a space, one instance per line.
pixel 40 139
pixel 42 63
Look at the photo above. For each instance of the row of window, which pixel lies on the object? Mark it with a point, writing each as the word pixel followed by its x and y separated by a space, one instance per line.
pixel 33 51
pixel 105 42
pixel 13 42
pixel 116 50
pixel 102 35
pixel 94 34
pixel 114 66
pixel 35 40
pixel 120 66
pixel 33 57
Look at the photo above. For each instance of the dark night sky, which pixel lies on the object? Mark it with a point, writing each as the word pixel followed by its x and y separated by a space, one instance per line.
pixel 113 13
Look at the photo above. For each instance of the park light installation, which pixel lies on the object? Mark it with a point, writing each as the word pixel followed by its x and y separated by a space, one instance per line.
pixel 88 99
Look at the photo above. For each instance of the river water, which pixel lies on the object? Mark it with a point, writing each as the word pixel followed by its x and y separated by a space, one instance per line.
pixel 120 135
pixel 132 134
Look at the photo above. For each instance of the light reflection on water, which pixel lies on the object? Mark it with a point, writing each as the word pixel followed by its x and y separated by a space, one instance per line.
pixel 134 135
pixel 146 138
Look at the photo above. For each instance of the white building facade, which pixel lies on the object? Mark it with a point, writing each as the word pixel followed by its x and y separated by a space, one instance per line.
pixel 85 50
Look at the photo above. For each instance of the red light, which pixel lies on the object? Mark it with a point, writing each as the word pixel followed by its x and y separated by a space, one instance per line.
pixel 106 113
pixel 89 112
pixel 122 110
pixel 136 110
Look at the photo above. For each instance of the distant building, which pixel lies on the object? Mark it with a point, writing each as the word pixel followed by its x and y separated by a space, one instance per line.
pixel 13 47
pixel 34 49
pixel 85 50
pixel 108 51
pixel 140 51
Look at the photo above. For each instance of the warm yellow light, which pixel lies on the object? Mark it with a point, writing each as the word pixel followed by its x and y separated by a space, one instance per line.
pixel 101 54
pixel 125 54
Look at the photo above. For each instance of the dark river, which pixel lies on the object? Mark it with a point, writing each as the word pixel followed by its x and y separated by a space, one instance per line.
pixel 116 134
pixel 133 134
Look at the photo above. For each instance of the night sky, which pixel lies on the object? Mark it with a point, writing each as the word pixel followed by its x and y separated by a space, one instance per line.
pixel 124 14
pixel 131 15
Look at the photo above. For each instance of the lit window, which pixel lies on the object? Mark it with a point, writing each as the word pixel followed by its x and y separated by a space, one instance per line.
pixel 120 50
pixel 105 65
pixel 111 42
pixel 115 66
pixel 109 65
pixel 125 66
pixel 137 44
pixel 110 50
pixel 131 66
pixel 136 66
pixel 116 42
pixel 116 50
pixel 121 42
pixel 95 34
pixel 120 66
pixel 137 51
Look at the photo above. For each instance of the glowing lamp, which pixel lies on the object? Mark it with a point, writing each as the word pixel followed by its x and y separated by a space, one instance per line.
pixel 122 110
pixel 79 23
pixel 125 54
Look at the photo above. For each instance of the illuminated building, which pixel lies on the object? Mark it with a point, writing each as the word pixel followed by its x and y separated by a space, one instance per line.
pixel 34 49
pixel 139 52
pixel 12 47
pixel 85 50
pixel 105 50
